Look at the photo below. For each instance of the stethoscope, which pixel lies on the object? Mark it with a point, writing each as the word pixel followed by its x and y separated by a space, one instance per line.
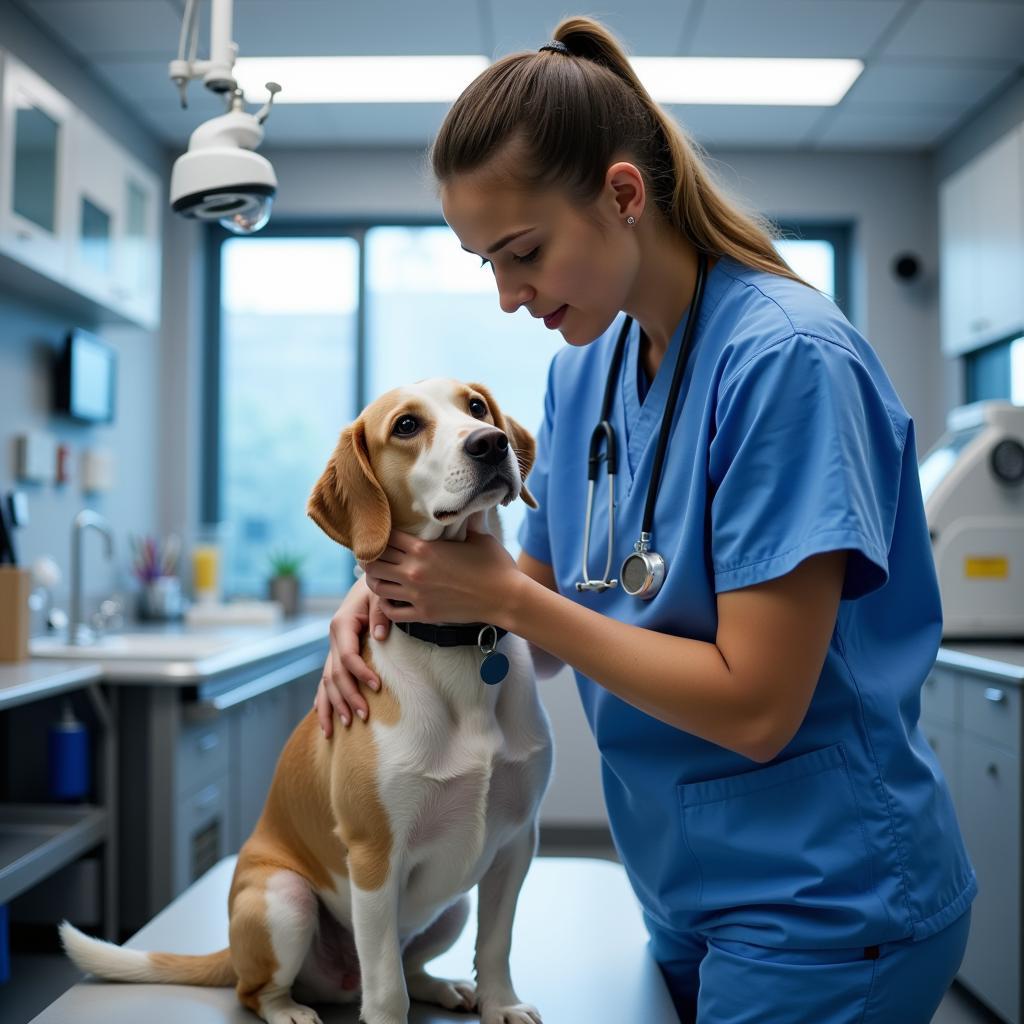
pixel 643 570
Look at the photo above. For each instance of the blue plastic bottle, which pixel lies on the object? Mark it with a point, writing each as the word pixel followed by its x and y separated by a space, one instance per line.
pixel 68 750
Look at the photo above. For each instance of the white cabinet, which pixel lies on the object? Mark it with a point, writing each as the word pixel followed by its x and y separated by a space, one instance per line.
pixel 75 206
pixel 35 163
pixel 115 255
pixel 981 221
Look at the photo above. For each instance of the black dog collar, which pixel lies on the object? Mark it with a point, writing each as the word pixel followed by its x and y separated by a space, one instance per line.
pixel 463 635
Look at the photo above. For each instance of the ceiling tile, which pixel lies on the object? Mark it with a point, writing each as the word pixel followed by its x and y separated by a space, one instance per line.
pixel 758 126
pixel 286 28
pixel 790 28
pixel 957 86
pixel 979 29
pixel 884 127
pixel 649 28
pixel 129 27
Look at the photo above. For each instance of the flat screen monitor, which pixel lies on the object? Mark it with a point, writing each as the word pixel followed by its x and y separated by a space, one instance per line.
pixel 86 378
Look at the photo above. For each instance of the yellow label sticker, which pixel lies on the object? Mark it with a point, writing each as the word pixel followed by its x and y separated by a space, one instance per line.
pixel 992 567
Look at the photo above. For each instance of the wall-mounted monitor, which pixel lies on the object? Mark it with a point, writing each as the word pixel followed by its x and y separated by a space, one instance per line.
pixel 86 378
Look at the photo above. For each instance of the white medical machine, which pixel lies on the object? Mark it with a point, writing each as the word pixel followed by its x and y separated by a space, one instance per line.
pixel 972 481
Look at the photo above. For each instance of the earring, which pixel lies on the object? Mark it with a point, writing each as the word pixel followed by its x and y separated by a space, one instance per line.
pixel 631 221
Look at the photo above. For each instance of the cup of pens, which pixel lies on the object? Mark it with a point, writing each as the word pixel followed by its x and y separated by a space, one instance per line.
pixel 155 564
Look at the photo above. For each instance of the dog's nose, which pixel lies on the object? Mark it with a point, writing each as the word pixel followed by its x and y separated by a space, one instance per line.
pixel 487 445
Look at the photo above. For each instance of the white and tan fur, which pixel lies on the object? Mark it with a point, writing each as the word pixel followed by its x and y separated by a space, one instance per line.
pixel 356 873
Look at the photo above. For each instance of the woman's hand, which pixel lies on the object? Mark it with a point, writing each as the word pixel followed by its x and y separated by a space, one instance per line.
pixel 444 581
pixel 345 669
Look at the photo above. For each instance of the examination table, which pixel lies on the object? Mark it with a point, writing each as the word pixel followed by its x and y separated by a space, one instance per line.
pixel 579 954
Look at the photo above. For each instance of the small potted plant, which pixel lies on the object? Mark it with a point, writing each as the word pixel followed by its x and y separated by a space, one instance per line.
pixel 285 584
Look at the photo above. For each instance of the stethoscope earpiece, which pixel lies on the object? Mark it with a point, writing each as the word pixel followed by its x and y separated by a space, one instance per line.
pixel 643 571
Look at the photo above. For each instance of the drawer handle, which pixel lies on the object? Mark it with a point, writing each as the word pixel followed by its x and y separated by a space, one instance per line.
pixel 208 797
pixel 208 741
pixel 994 694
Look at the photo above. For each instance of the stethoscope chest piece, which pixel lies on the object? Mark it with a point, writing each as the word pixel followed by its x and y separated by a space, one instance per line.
pixel 643 571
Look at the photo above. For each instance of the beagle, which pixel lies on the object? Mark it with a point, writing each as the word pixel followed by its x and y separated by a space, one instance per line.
pixel 357 871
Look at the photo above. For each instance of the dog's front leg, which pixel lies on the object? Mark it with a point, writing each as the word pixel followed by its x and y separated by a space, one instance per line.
pixel 375 887
pixel 496 908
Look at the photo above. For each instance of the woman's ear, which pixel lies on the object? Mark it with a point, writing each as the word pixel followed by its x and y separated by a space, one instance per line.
pixel 523 445
pixel 348 503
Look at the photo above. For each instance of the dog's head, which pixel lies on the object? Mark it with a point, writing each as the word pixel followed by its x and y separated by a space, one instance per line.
pixel 421 459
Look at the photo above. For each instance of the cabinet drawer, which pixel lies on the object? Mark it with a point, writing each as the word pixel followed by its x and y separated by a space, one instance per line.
pixel 990 819
pixel 202 754
pixel 991 709
pixel 200 833
pixel 938 697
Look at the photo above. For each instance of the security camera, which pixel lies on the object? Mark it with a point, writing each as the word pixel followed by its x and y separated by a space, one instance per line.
pixel 220 178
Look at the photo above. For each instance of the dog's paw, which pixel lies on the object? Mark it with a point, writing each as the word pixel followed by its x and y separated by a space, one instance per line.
pixel 452 995
pixel 520 1013
pixel 291 1014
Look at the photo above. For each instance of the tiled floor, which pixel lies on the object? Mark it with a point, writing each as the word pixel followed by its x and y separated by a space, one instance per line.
pixel 43 977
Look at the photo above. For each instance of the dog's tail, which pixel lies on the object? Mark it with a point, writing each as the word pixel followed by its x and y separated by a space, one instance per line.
pixel 115 963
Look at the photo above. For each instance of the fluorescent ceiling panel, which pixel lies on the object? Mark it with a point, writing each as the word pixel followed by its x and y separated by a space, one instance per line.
pixel 769 81
pixel 433 79
pixel 748 81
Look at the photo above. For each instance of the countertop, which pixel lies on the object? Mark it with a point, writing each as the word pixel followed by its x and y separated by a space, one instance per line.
pixel 244 646
pixel 25 681
pixel 999 659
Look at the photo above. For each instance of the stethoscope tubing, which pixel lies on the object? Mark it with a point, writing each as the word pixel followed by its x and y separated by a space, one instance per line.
pixel 604 435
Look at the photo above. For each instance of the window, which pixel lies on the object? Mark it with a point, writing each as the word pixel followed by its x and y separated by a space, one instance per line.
pixel 307 325
pixel 820 255
pixel 292 357
pixel 996 372
pixel 286 362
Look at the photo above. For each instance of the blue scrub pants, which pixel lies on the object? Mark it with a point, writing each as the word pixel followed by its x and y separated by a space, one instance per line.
pixel 714 981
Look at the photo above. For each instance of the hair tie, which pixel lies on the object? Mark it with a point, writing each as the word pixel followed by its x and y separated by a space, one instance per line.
pixel 556 47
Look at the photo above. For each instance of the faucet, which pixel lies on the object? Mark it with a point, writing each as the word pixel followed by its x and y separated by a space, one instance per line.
pixel 78 631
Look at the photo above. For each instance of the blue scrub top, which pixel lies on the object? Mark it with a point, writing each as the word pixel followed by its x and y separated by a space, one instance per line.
pixel 791 441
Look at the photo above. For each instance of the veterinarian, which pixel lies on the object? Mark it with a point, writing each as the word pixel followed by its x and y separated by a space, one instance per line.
pixel 783 822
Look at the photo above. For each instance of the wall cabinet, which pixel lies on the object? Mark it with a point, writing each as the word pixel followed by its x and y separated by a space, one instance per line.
pixel 35 168
pixel 76 207
pixel 972 719
pixel 981 229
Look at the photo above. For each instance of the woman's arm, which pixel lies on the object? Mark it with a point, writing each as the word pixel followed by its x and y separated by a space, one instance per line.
pixel 748 691
pixel 545 664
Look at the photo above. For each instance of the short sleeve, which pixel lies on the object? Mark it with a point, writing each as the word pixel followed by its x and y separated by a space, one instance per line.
pixel 533 531
pixel 805 459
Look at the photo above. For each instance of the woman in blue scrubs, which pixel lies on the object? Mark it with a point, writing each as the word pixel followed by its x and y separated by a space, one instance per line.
pixel 784 824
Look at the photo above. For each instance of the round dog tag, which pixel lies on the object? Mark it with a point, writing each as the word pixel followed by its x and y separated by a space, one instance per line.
pixel 494 668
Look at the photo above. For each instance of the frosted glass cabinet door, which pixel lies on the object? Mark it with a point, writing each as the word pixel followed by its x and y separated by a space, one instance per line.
pixel 98 201
pixel 35 155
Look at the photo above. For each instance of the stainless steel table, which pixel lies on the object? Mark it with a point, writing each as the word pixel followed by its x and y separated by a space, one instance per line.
pixel 579 953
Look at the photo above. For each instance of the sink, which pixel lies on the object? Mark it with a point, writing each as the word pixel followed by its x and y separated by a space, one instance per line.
pixel 135 646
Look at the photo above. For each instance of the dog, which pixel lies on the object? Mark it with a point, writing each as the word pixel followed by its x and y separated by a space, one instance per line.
pixel 357 871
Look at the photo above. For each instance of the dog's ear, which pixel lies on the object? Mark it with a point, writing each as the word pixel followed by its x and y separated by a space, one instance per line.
pixel 347 502
pixel 523 444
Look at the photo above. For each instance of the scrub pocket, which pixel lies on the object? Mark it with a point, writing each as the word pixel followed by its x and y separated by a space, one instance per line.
pixel 741 989
pixel 787 837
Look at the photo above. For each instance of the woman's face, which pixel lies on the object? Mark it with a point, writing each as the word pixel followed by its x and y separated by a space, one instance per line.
pixel 545 253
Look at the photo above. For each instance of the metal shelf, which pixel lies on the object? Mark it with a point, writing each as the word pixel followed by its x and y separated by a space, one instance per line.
pixel 38 839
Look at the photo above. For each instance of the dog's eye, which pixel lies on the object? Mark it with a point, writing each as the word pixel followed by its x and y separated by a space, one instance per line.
pixel 477 408
pixel 406 426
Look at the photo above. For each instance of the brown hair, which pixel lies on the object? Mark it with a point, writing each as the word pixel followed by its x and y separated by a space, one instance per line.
pixel 571 116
